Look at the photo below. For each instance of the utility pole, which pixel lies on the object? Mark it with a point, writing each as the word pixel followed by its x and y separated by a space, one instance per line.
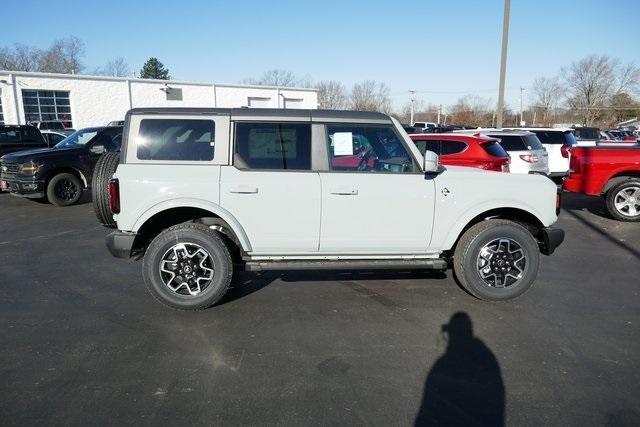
pixel 413 99
pixel 439 113
pixel 521 117
pixel 503 59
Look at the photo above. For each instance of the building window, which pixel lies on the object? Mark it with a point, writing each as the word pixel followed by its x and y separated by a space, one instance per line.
pixel 47 105
pixel 293 102
pixel 258 102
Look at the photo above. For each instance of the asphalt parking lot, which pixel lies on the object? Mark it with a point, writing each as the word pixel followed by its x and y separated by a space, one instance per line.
pixel 83 342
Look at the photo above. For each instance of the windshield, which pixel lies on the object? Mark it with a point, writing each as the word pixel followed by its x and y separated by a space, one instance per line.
pixel 79 138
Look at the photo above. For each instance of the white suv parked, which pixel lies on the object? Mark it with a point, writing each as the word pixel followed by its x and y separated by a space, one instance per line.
pixel 525 149
pixel 553 140
pixel 199 192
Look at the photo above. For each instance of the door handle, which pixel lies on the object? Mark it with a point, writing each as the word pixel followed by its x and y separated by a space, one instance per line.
pixel 345 192
pixel 243 189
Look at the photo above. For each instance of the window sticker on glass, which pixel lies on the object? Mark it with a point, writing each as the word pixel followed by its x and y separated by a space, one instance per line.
pixel 343 144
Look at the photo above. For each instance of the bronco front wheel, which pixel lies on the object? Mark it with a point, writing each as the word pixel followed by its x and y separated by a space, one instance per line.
pixel 496 260
pixel 188 267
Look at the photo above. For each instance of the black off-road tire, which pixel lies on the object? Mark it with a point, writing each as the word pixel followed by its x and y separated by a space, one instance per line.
pixel 212 243
pixel 72 194
pixel 612 194
pixel 102 174
pixel 465 260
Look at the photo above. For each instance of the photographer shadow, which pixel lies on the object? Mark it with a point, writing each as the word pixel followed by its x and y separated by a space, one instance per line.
pixel 464 386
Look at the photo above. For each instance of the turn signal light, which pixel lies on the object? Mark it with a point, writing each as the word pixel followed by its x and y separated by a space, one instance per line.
pixel 114 196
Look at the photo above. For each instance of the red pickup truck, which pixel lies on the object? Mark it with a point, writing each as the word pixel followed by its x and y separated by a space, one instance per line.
pixel 610 172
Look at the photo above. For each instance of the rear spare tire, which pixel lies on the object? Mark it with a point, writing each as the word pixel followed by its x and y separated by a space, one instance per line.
pixel 102 173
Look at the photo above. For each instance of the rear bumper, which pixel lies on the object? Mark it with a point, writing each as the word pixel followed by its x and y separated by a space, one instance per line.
pixel 551 238
pixel 120 243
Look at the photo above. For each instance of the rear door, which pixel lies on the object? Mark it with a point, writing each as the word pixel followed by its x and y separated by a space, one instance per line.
pixel 384 206
pixel 271 188
pixel 553 141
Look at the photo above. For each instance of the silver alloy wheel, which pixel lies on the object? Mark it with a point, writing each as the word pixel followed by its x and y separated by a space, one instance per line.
pixel 186 269
pixel 627 201
pixel 502 262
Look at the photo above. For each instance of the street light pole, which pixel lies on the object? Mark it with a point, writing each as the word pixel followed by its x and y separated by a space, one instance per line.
pixel 503 60
pixel 413 98
pixel 521 119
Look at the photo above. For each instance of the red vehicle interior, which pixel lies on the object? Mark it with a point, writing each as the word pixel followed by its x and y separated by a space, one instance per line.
pixel 465 150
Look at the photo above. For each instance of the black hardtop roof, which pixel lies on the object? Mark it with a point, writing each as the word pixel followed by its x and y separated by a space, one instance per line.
pixel 268 112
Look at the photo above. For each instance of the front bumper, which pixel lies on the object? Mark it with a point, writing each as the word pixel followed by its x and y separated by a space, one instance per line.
pixel 120 243
pixel 550 239
pixel 25 188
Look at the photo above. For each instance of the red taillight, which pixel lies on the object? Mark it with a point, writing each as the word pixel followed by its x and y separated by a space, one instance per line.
pixel 574 165
pixel 565 150
pixel 529 158
pixel 114 196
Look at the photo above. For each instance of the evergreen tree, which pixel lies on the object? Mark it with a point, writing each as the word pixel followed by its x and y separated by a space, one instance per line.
pixel 154 69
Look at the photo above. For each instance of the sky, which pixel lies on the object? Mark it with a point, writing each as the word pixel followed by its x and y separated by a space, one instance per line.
pixel 441 49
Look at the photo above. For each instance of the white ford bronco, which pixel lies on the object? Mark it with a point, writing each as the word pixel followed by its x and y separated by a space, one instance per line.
pixel 197 193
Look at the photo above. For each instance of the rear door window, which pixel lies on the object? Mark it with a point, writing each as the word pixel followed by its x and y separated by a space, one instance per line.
pixel 10 135
pixel 174 139
pixel 550 137
pixel 279 146
pixel 511 142
pixel 452 147
pixel 425 145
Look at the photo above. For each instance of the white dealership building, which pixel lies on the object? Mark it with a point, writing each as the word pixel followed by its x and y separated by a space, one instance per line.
pixel 82 101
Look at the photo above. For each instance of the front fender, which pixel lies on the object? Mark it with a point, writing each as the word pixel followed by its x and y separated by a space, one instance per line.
pixel 451 235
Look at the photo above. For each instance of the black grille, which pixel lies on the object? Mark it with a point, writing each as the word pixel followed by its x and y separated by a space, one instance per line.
pixel 8 171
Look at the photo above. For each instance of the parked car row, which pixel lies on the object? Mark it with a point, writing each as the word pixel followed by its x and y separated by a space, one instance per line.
pixel 48 166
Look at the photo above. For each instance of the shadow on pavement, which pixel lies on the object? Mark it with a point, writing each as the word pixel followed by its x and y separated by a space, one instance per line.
pixel 634 252
pixel 464 386
pixel 245 283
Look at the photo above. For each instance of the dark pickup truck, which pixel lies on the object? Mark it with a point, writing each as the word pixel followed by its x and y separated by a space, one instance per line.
pixel 20 137
pixel 61 173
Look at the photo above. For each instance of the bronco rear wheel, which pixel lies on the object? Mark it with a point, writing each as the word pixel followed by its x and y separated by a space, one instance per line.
pixel 102 173
pixel 188 267
pixel 496 260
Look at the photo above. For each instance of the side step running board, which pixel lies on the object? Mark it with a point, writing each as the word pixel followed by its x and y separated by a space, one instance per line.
pixel 431 264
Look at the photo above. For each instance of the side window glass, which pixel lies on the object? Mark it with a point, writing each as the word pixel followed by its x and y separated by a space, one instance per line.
pixel 174 139
pixel 367 149
pixel 510 143
pixel 452 147
pixel 280 146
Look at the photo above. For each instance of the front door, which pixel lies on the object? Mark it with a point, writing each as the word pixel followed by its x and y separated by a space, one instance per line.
pixel 375 200
pixel 271 188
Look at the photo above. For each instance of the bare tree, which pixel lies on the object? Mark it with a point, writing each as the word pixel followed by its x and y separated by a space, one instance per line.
pixel 64 56
pixel 332 95
pixel 471 110
pixel 547 93
pixel 275 77
pixel 20 58
pixel 592 81
pixel 117 67
pixel 370 96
